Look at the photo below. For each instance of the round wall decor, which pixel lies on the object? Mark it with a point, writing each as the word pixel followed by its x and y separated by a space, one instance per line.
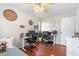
pixel 10 14
pixel 30 22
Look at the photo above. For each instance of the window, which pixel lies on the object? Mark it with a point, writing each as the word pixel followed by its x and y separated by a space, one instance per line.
pixel 45 27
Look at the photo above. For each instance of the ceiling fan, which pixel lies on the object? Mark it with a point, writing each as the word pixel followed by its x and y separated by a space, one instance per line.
pixel 41 7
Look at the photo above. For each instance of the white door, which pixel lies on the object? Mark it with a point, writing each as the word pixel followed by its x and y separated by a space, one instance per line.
pixel 67 28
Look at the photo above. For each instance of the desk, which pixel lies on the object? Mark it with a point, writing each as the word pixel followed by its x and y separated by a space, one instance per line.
pixel 26 37
pixel 23 41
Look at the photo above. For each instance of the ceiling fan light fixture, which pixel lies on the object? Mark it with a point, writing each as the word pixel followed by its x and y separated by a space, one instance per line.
pixel 40 7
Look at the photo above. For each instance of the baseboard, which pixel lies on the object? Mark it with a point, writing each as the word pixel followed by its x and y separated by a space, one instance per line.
pixel 61 44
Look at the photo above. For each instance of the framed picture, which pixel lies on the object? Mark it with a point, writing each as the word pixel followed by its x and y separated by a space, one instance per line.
pixel 30 22
pixel 36 27
pixel 22 26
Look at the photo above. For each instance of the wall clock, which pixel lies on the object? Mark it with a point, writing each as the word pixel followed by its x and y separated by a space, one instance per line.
pixel 10 14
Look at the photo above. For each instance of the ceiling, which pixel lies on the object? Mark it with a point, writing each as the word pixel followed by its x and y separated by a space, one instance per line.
pixel 53 9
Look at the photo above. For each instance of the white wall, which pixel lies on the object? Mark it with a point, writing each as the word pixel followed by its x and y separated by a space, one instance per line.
pixel 12 28
pixel 56 22
pixel 61 26
pixel 67 28
pixel 57 26
pixel 77 20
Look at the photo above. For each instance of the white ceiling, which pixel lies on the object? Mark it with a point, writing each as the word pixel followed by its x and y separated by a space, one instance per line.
pixel 55 9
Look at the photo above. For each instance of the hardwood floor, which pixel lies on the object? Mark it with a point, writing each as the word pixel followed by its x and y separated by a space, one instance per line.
pixel 47 50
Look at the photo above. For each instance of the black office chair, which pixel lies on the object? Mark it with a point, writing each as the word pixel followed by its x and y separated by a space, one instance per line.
pixel 47 38
pixel 31 42
pixel 32 38
pixel 54 32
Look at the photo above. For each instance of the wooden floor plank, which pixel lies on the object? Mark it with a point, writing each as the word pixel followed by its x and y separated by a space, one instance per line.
pixel 47 50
